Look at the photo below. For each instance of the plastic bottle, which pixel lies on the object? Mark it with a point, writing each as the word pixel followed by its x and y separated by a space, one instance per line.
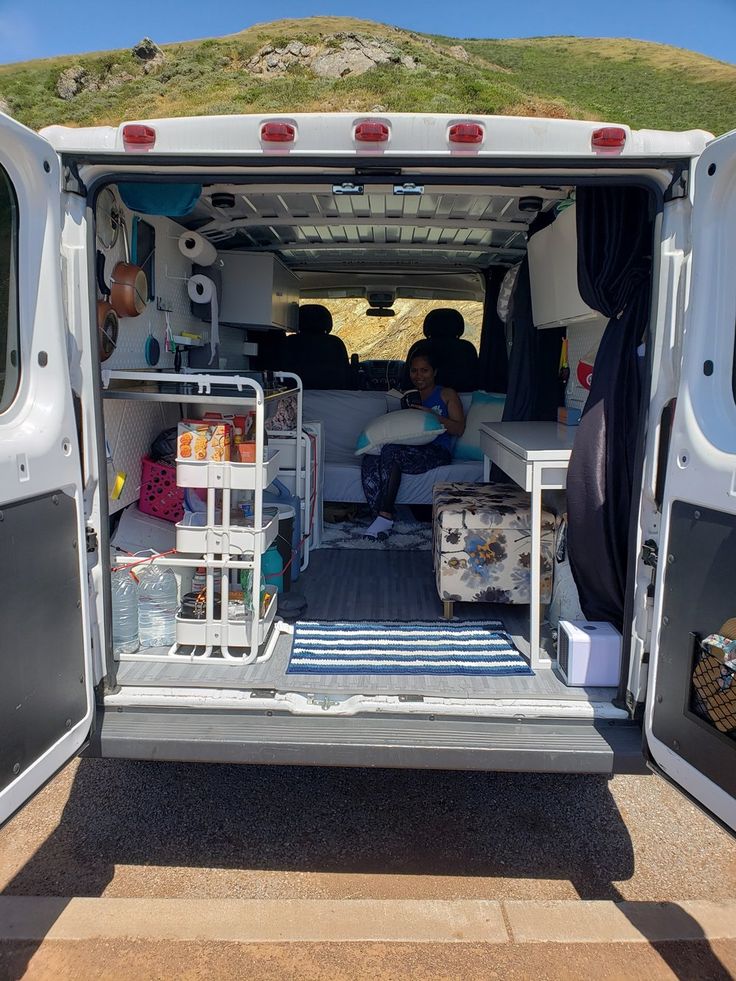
pixel 273 568
pixel 157 607
pixel 246 583
pixel 124 613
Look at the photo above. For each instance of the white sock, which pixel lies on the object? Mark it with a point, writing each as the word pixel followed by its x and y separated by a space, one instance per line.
pixel 381 526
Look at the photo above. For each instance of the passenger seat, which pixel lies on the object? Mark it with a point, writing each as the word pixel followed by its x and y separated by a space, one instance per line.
pixel 457 360
pixel 320 360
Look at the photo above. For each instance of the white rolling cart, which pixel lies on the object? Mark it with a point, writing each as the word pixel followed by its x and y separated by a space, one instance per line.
pixel 219 546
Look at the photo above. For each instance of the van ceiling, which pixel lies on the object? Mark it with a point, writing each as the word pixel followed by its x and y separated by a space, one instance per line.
pixel 316 227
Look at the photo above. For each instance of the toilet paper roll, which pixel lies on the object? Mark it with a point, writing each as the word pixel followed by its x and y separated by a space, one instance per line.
pixel 197 249
pixel 201 289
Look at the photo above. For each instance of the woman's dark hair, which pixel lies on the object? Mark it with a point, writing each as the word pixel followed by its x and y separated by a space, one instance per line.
pixel 426 352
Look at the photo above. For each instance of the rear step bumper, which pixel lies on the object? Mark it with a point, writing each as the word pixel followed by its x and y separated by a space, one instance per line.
pixel 422 742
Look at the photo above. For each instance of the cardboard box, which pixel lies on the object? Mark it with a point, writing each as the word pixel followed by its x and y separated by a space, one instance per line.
pixel 201 440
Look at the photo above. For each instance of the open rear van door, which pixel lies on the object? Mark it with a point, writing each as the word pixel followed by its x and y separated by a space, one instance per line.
pixel 46 697
pixel 691 702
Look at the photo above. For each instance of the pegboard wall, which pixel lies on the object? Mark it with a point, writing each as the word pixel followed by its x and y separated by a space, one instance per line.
pixel 130 428
pixel 171 271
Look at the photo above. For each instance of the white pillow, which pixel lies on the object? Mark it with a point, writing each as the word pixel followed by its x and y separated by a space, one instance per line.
pixel 485 407
pixel 409 426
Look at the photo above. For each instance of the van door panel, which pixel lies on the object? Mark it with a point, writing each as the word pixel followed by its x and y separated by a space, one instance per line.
pixel 43 667
pixel 695 592
pixel 46 695
pixel 698 599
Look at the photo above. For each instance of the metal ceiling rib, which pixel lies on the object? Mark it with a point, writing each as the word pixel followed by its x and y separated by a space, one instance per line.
pixel 451 227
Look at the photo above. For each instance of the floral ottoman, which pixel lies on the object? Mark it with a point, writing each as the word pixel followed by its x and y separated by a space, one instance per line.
pixel 482 541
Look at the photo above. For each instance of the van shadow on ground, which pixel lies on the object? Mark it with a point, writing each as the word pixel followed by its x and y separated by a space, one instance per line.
pixel 299 819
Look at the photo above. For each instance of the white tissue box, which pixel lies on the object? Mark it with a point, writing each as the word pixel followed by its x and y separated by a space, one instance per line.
pixel 589 653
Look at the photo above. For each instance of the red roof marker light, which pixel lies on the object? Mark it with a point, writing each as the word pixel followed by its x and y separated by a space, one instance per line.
pixel 371 131
pixel 466 133
pixel 138 137
pixel 608 138
pixel 278 132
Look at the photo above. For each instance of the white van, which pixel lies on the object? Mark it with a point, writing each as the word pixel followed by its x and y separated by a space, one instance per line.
pixel 427 206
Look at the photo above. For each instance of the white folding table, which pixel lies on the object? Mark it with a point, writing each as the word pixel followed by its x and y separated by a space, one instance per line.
pixel 535 455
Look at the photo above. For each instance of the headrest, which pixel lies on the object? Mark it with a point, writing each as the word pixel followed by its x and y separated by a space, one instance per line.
pixel 314 319
pixel 444 323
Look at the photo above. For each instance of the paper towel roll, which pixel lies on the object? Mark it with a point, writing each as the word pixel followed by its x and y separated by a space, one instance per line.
pixel 197 249
pixel 201 289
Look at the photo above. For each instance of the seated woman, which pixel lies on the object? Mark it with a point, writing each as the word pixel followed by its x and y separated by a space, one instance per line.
pixel 381 475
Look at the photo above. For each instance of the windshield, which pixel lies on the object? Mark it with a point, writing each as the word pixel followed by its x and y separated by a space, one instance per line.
pixel 389 338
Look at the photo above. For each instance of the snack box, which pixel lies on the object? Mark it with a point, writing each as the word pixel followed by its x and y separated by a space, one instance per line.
pixel 243 426
pixel 199 439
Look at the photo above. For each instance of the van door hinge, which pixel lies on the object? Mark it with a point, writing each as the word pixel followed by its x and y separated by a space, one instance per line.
pixel 679 185
pixel 71 180
pixel 91 539
pixel 650 553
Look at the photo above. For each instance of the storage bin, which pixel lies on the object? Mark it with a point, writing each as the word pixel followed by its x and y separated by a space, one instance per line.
pixel 159 495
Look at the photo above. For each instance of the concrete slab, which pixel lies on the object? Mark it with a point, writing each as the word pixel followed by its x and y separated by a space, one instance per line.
pixel 30 918
pixel 252 921
pixel 607 922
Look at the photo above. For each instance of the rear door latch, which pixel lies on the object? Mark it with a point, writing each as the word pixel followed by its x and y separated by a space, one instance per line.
pixel 650 553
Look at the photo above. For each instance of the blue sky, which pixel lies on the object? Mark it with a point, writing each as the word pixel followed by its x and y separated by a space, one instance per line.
pixel 41 28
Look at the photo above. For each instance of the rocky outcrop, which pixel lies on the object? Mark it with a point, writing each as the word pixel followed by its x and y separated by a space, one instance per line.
pixel 5 107
pixel 339 56
pixel 77 79
pixel 72 81
pixel 459 52
pixel 148 52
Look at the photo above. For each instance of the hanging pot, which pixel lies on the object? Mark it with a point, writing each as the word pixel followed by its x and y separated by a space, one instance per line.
pixel 107 319
pixel 107 329
pixel 129 289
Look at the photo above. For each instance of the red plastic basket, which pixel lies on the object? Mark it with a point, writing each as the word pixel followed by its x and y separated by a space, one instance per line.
pixel 160 497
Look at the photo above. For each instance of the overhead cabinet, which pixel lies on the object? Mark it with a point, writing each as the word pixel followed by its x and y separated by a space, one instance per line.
pixel 258 291
pixel 553 276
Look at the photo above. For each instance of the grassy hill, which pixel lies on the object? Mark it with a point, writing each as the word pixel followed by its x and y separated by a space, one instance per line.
pixel 643 84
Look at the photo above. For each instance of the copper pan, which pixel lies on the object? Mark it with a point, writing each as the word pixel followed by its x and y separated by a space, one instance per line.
pixel 129 286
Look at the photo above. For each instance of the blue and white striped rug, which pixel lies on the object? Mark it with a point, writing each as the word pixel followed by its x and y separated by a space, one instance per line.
pixel 431 647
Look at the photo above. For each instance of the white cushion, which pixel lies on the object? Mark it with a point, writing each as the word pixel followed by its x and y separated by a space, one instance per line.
pixel 344 415
pixel 485 407
pixel 410 426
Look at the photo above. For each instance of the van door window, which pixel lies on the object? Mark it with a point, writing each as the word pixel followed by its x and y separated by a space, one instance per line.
pixel 9 353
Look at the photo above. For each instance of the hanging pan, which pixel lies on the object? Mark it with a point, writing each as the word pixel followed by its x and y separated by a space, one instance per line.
pixel 107 319
pixel 129 291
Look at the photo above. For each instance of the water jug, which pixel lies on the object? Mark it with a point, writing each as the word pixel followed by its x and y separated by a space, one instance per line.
pixel 124 613
pixel 157 607
pixel 272 566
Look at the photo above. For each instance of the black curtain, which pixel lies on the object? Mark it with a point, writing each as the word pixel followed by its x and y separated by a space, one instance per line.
pixel 614 273
pixel 533 386
pixel 493 362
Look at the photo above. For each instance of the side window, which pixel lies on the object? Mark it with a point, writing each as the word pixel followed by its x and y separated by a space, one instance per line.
pixel 9 337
